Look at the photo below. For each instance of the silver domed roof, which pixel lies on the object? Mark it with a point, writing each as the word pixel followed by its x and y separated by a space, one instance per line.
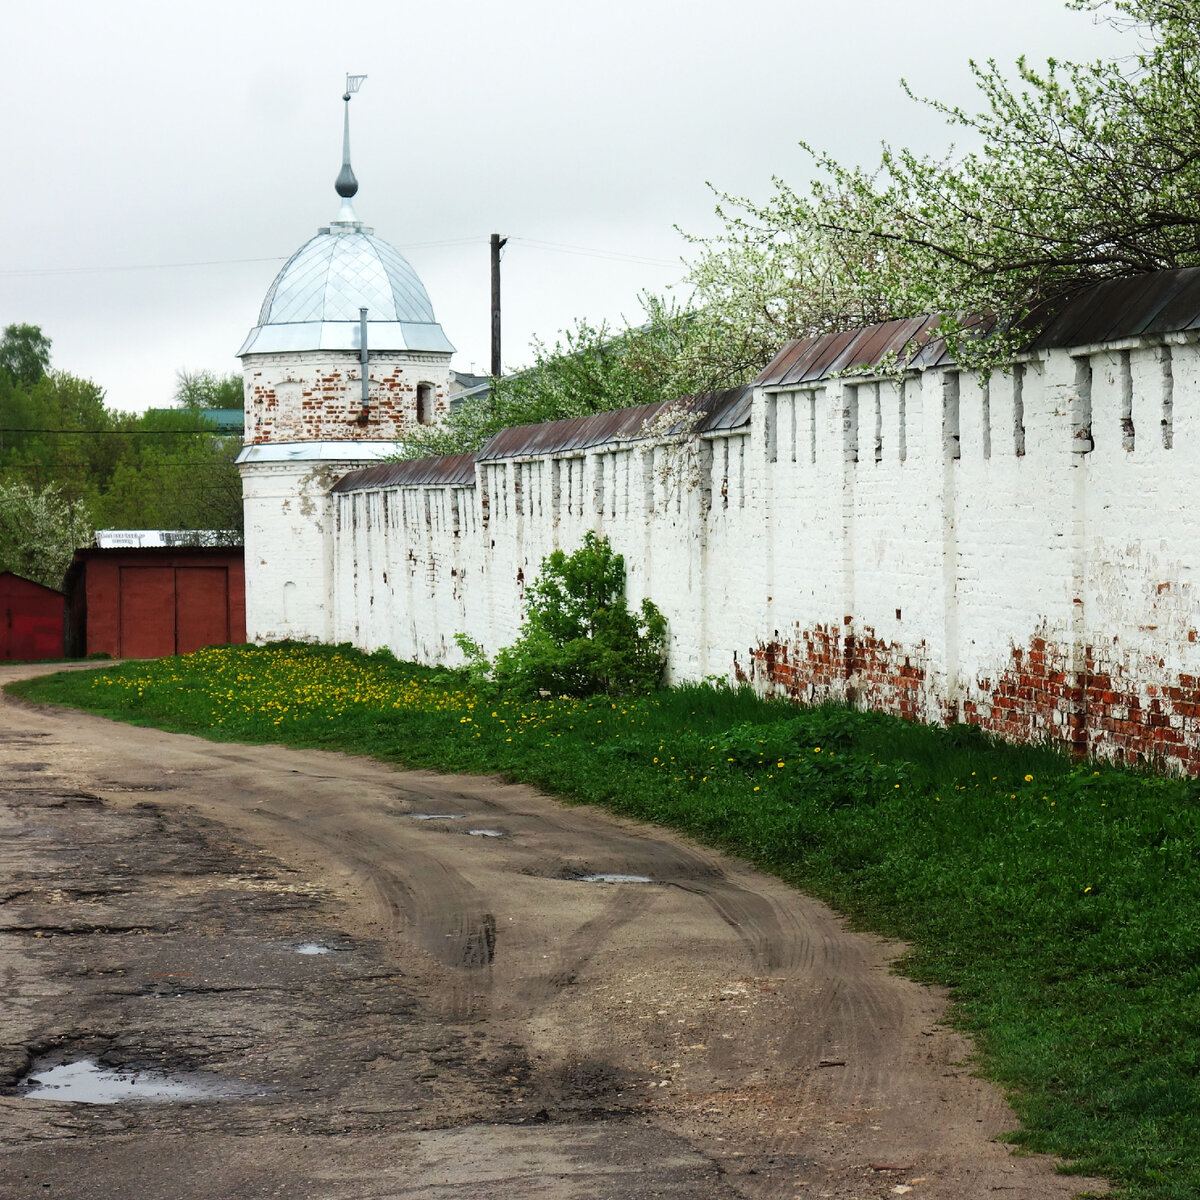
pixel 334 275
pixel 315 300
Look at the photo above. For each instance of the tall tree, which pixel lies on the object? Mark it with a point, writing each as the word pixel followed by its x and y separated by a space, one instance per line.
pixel 168 468
pixel 24 354
pixel 207 389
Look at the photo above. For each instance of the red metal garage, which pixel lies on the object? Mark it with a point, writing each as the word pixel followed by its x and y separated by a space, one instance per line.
pixel 151 602
pixel 31 620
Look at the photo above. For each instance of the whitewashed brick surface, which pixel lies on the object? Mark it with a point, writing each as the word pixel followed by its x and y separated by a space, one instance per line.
pixel 1018 551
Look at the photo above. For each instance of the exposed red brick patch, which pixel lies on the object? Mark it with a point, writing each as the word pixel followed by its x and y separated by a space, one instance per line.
pixel 1106 706
pixel 1101 703
pixel 828 662
pixel 329 405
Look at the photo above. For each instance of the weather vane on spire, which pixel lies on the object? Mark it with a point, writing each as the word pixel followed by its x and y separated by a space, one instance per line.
pixel 346 185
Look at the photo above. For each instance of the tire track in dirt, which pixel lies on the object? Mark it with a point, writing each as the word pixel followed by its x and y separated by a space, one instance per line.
pixel 733 1022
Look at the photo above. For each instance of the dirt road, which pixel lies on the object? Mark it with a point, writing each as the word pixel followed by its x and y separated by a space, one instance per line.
pixel 486 1023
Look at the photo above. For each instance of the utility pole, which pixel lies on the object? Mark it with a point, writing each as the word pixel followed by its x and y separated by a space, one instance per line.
pixel 497 243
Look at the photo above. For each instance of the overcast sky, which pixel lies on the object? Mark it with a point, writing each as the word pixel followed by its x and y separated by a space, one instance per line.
pixel 163 160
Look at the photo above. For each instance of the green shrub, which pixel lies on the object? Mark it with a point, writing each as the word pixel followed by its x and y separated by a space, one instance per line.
pixel 579 637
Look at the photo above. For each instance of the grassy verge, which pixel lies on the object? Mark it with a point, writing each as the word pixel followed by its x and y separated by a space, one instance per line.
pixel 1058 899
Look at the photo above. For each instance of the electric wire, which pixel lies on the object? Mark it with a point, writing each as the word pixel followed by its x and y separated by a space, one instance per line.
pixel 532 243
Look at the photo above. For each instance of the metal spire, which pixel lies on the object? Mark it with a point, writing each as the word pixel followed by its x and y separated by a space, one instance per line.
pixel 347 185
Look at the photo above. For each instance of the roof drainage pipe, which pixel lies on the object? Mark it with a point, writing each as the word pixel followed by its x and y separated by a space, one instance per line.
pixel 362 342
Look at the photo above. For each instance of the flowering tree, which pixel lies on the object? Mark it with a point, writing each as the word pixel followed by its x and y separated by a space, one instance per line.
pixel 1083 172
pixel 40 532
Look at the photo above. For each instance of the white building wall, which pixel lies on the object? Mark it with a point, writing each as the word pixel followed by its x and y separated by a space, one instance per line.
pixel 289 548
pixel 1017 551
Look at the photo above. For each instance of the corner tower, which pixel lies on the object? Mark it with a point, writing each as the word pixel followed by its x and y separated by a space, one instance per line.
pixel 345 360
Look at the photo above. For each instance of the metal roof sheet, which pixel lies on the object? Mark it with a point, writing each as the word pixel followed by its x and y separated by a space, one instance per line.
pixel 448 470
pixel 810 360
pixel 329 451
pixel 344 335
pixel 333 275
pixel 721 411
pixel 314 302
pixel 1140 306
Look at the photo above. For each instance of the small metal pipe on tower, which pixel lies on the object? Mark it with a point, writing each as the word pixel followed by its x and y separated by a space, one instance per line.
pixel 364 412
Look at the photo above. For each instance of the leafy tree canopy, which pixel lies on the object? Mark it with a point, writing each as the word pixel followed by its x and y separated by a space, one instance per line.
pixel 591 368
pixel 1079 172
pixel 166 469
pixel 208 389
pixel 1075 173
pixel 24 354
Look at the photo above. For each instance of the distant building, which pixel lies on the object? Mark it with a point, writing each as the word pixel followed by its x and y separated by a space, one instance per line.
pixel 153 598
pixel 31 620
pixel 468 387
pixel 230 421
pixel 128 539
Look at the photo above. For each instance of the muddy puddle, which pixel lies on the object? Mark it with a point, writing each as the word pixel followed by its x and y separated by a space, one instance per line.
pixel 435 816
pixel 486 832
pixel 86 1082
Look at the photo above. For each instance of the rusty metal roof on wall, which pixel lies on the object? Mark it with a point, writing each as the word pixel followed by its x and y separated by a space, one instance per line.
pixel 1141 306
pixel 719 412
pixel 912 343
pixel 448 470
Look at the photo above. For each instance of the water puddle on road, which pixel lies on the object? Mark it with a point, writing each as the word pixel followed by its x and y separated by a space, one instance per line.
pixel 86 1082
pixel 313 948
pixel 609 878
pixel 435 816
pixel 486 832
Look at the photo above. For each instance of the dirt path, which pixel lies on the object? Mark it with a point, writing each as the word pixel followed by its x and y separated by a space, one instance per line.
pixel 487 1025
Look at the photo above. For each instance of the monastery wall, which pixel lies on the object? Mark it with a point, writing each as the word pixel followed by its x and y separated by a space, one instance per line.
pixel 1016 551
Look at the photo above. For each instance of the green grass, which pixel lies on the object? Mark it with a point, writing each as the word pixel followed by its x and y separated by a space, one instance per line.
pixel 1058 899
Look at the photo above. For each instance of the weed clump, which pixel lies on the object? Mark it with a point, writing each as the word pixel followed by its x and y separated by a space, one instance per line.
pixel 579 637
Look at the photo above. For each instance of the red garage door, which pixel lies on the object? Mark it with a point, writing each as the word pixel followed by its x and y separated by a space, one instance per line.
pixel 173 610
pixel 201 608
pixel 147 611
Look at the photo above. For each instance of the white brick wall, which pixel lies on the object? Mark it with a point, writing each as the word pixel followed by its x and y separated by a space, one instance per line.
pixel 946 546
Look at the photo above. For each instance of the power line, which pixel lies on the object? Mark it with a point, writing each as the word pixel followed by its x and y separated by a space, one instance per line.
pixel 14 272
pixel 593 252
pixel 533 243
pixel 214 432
pixel 22 272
